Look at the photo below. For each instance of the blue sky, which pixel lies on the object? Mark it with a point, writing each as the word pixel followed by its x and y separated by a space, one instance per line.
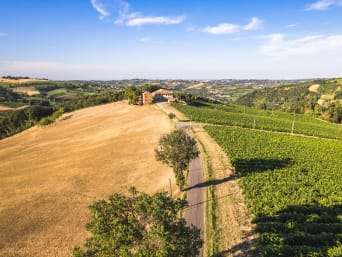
pixel 204 39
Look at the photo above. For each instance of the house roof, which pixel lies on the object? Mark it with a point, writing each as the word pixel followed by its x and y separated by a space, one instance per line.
pixel 162 91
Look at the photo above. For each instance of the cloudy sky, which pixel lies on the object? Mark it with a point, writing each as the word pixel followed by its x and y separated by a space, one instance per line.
pixel 171 39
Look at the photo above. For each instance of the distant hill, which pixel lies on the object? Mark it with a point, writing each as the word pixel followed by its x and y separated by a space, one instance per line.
pixel 321 98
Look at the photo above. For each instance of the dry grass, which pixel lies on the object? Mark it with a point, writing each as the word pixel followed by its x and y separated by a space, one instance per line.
pixel 30 91
pixel 19 81
pixel 49 175
pixel 314 88
pixel 6 108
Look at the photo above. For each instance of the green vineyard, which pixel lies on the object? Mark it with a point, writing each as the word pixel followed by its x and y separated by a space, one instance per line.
pixel 292 184
pixel 234 115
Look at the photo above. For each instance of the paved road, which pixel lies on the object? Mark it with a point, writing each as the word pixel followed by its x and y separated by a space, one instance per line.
pixel 194 214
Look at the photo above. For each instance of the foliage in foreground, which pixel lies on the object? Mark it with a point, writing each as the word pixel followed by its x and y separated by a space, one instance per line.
pixel 140 225
pixel 176 150
pixel 293 187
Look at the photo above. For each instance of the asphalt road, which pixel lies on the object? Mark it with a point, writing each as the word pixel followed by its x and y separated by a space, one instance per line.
pixel 194 214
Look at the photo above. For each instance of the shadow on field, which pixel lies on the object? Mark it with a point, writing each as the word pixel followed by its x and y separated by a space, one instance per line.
pixel 247 248
pixel 213 182
pixel 245 166
pixel 307 230
pixel 300 230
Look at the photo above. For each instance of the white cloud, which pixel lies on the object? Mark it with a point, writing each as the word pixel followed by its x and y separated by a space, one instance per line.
pixel 254 24
pixel 223 28
pixel 292 25
pixel 3 34
pixel 100 8
pixel 324 4
pixel 119 12
pixel 278 45
pixel 155 20
pixel 230 28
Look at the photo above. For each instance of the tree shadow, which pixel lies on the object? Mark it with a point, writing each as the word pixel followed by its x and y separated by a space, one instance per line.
pixel 246 248
pixel 245 166
pixel 213 182
pixel 298 230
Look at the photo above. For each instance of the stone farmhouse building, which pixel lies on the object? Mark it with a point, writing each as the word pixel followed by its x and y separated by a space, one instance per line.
pixel 160 95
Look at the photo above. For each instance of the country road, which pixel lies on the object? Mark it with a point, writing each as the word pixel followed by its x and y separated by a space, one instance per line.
pixel 194 214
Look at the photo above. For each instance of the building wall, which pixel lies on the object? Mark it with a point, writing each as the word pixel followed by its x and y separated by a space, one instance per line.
pixel 147 98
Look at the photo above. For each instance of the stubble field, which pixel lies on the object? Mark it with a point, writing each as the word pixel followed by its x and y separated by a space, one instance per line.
pixel 49 175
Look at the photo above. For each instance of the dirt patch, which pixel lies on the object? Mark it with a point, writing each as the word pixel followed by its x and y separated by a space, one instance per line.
pixel 235 230
pixel 180 116
pixel 314 88
pixel 30 91
pixel 199 85
pixel 49 175
pixel 6 108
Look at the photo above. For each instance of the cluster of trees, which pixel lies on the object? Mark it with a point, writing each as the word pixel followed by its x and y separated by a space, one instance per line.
pixel 92 100
pixel 140 225
pixel 15 121
pixel 8 95
pixel 50 119
pixel 299 99
pixel 15 77
pixel 12 122
pixel 133 93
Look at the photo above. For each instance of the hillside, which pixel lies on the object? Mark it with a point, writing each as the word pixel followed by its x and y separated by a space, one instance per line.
pixel 322 99
pixel 49 175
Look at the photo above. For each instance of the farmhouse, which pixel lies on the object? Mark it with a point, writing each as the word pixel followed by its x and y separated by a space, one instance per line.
pixel 160 95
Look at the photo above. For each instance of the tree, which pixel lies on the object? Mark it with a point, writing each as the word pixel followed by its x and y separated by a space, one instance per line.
pixel 176 150
pixel 140 225
pixel 171 115
pixel 132 94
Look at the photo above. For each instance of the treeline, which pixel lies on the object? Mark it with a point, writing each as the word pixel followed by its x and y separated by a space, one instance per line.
pixel 15 121
pixel 299 99
pixel 92 100
pixel 12 122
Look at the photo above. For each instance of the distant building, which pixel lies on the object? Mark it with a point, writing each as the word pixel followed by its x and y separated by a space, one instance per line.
pixel 160 95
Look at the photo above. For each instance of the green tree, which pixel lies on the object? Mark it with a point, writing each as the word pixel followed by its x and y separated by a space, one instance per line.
pixel 171 115
pixel 140 225
pixel 132 94
pixel 176 150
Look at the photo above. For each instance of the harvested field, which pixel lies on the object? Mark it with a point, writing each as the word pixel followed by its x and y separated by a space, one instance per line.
pixel 49 175
pixel 6 108
pixel 19 81
pixel 314 88
pixel 30 91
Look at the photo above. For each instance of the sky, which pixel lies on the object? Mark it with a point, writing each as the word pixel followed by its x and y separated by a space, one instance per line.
pixel 171 39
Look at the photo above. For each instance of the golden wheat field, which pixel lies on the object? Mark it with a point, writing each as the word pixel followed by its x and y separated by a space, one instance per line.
pixel 49 175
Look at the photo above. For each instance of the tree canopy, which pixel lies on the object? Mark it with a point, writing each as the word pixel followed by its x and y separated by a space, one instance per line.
pixel 176 150
pixel 140 225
